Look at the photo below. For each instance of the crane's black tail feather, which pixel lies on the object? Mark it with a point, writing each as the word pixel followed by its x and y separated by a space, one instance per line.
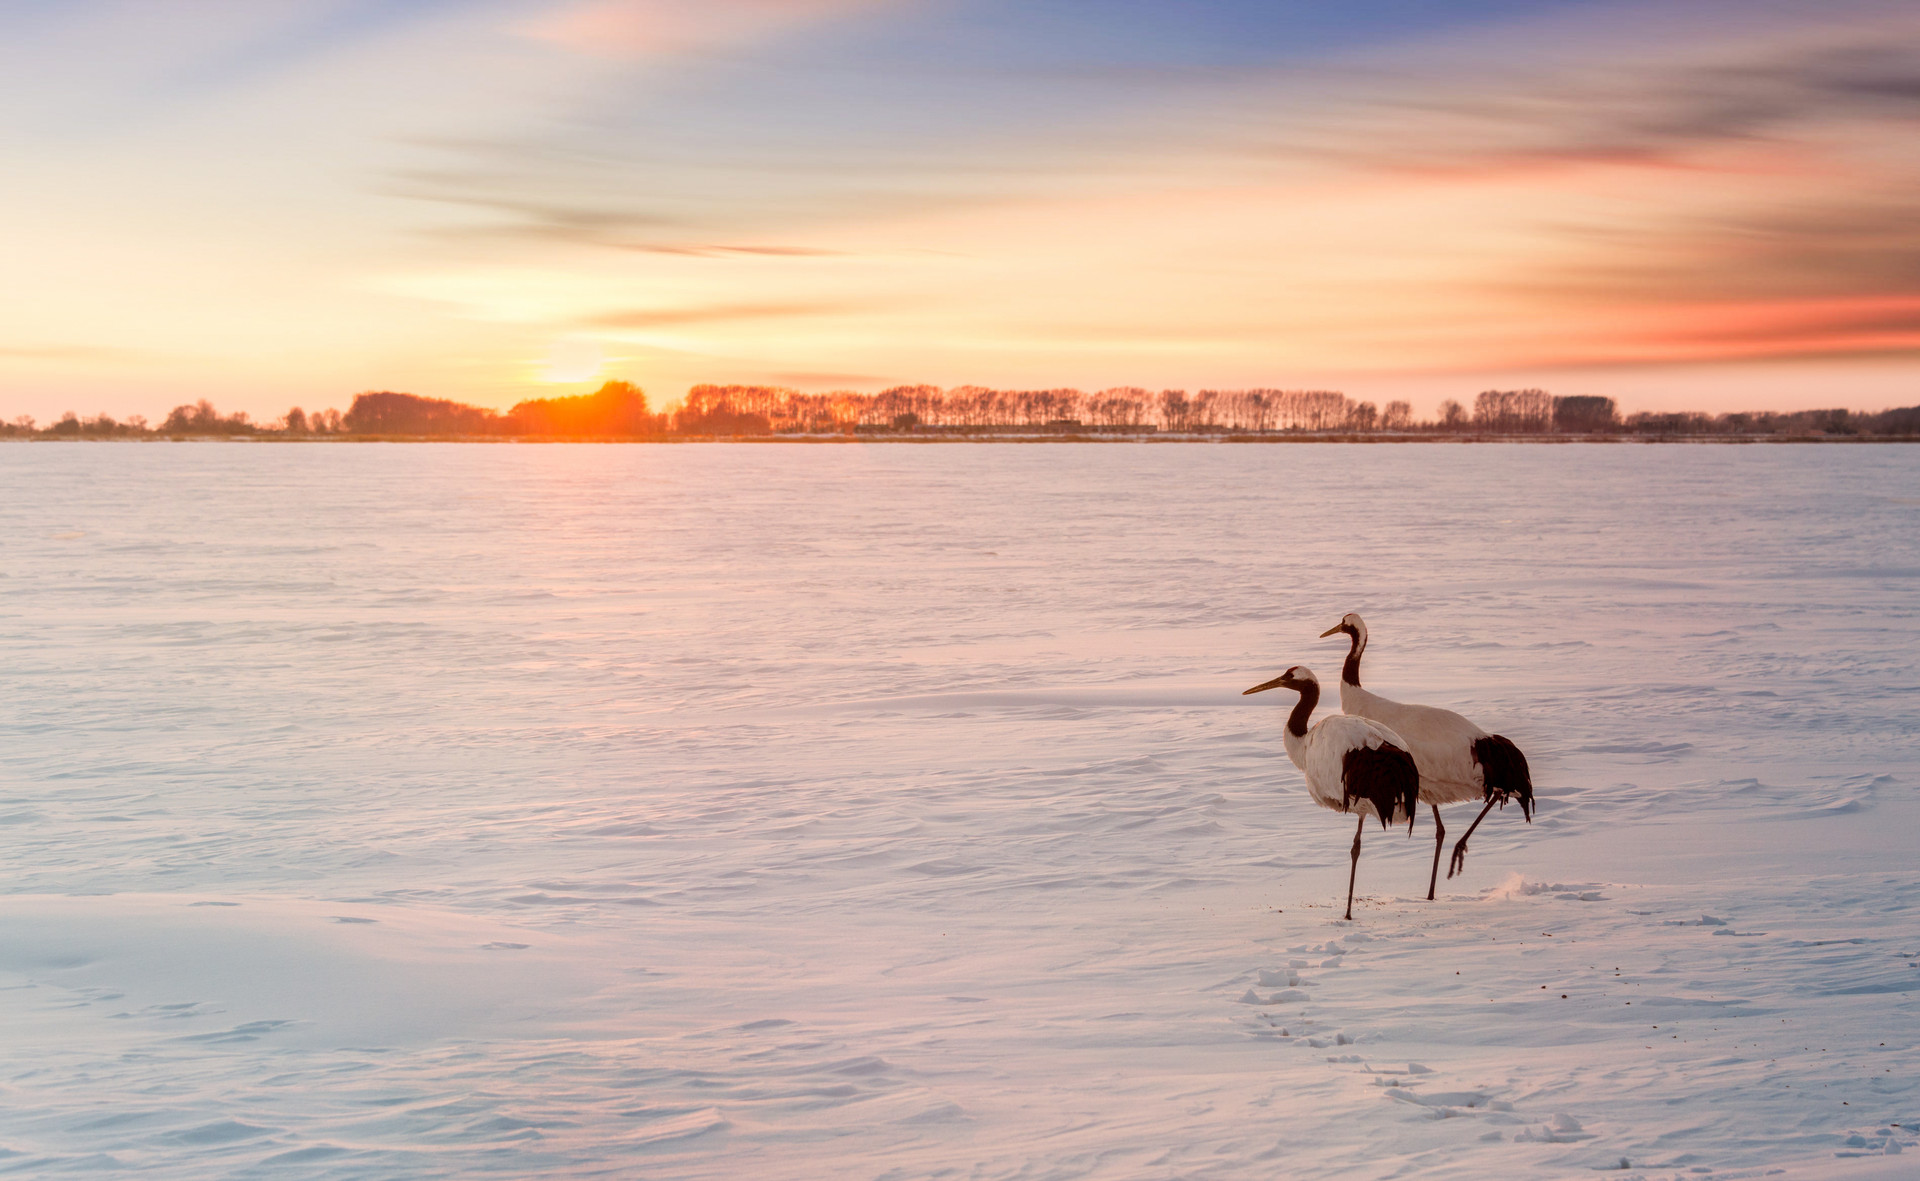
pixel 1386 777
pixel 1504 770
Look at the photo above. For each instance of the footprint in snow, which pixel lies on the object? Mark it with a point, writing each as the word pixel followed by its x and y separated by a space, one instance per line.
pixel 1563 1130
pixel 1446 1103
pixel 1285 996
pixel 251 1031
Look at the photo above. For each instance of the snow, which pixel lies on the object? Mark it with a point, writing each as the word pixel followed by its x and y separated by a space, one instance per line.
pixel 789 811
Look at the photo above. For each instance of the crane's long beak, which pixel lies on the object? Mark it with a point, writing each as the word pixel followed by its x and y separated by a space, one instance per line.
pixel 1273 684
pixel 1338 627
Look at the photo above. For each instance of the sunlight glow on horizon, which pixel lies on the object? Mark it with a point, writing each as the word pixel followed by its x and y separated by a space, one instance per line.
pixel 1660 203
pixel 573 360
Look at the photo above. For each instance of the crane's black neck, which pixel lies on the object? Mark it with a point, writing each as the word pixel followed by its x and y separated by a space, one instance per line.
pixel 1350 672
pixel 1297 720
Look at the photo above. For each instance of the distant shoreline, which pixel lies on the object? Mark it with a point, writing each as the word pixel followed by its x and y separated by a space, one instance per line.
pixel 619 412
pixel 1369 439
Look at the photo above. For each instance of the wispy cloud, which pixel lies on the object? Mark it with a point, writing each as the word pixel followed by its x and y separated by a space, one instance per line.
pixel 1652 105
pixel 1745 194
pixel 1791 246
pixel 75 353
pixel 710 250
pixel 714 314
pixel 1219 192
pixel 649 28
pixel 811 379
pixel 303 33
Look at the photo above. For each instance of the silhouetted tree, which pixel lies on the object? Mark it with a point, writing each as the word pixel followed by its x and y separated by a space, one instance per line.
pixel 1320 410
pixel 1247 410
pixel 1173 410
pixel 103 426
pixel 202 419
pixel 1679 423
pixel 1122 406
pixel 1513 411
pixel 1584 413
pixel 617 409
pixel 1203 411
pixel 384 412
pixel 1905 421
pixel 620 410
pixel 722 410
pixel 1834 422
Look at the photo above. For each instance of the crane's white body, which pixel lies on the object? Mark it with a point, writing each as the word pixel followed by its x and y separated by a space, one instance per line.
pixel 1440 741
pixel 1450 753
pixel 1351 765
pixel 1321 755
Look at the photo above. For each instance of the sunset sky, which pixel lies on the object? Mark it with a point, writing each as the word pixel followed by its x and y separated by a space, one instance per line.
pixel 277 202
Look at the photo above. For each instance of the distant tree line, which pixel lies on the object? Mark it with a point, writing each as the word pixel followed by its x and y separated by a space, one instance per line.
pixel 619 410
pixel 616 410
pixel 746 409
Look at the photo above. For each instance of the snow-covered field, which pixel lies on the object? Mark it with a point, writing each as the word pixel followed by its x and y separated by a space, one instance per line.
pixel 893 811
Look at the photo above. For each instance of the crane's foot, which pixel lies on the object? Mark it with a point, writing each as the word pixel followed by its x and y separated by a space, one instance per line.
pixel 1459 861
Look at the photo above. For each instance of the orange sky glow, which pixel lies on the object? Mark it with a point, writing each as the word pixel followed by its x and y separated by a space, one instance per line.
pixel 1692 206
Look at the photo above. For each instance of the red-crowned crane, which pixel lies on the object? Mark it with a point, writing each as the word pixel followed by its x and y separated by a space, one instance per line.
pixel 1458 760
pixel 1352 765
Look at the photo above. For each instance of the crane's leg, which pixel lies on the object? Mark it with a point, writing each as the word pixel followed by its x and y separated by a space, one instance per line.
pixel 1439 838
pixel 1355 871
pixel 1459 861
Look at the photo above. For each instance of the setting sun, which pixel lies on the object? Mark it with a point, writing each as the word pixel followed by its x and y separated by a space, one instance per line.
pixel 573 360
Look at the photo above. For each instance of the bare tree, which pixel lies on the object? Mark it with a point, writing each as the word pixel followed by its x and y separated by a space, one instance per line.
pixel 1513 411
pixel 1173 410
pixel 1203 410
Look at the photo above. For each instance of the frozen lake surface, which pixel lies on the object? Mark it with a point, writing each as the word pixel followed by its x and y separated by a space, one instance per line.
pixel 893 811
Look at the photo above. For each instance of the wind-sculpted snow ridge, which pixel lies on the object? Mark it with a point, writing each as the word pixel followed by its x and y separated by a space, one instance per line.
pixel 720 812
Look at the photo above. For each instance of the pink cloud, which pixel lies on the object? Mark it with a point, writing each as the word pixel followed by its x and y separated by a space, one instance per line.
pixel 648 28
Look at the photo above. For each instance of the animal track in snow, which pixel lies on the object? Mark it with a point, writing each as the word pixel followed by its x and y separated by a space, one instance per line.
pixel 1563 1130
